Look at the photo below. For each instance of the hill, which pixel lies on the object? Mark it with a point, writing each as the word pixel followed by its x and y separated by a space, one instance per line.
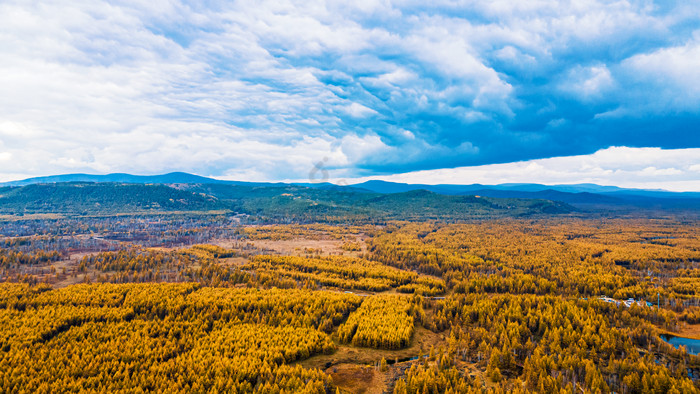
pixel 580 195
pixel 583 196
pixel 100 198
pixel 173 177
pixel 272 202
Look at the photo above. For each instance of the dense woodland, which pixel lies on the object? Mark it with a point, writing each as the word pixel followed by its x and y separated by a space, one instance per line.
pixel 269 203
pixel 209 304
pixel 164 337
pixel 383 321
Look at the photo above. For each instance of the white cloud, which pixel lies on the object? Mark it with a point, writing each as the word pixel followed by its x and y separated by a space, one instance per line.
pixel 673 73
pixel 357 148
pixel 359 111
pixel 589 82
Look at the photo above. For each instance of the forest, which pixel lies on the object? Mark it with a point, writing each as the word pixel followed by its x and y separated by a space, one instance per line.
pixel 217 302
pixel 267 203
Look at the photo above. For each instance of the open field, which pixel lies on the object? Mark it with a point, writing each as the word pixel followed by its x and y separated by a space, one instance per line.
pixel 355 369
pixel 303 246
pixel 686 330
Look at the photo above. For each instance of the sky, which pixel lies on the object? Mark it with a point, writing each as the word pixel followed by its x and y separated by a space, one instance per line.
pixel 446 92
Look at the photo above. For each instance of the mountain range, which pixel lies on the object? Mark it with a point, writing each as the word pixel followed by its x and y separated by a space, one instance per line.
pixel 582 195
pixel 265 203
pixel 170 178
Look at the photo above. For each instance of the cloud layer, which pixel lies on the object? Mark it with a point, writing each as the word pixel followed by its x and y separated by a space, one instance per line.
pixel 264 89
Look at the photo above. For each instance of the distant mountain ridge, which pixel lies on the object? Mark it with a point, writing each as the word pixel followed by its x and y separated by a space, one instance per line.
pixel 272 202
pixel 585 194
pixel 581 194
pixel 173 177
pixel 378 186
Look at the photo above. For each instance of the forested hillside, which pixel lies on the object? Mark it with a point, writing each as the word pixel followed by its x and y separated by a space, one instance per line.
pixel 100 198
pixel 265 202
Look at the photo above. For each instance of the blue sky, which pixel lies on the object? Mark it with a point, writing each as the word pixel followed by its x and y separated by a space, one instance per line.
pixel 257 90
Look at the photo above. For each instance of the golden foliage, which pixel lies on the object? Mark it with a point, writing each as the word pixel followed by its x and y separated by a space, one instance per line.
pixel 382 321
pixel 346 273
pixel 164 337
